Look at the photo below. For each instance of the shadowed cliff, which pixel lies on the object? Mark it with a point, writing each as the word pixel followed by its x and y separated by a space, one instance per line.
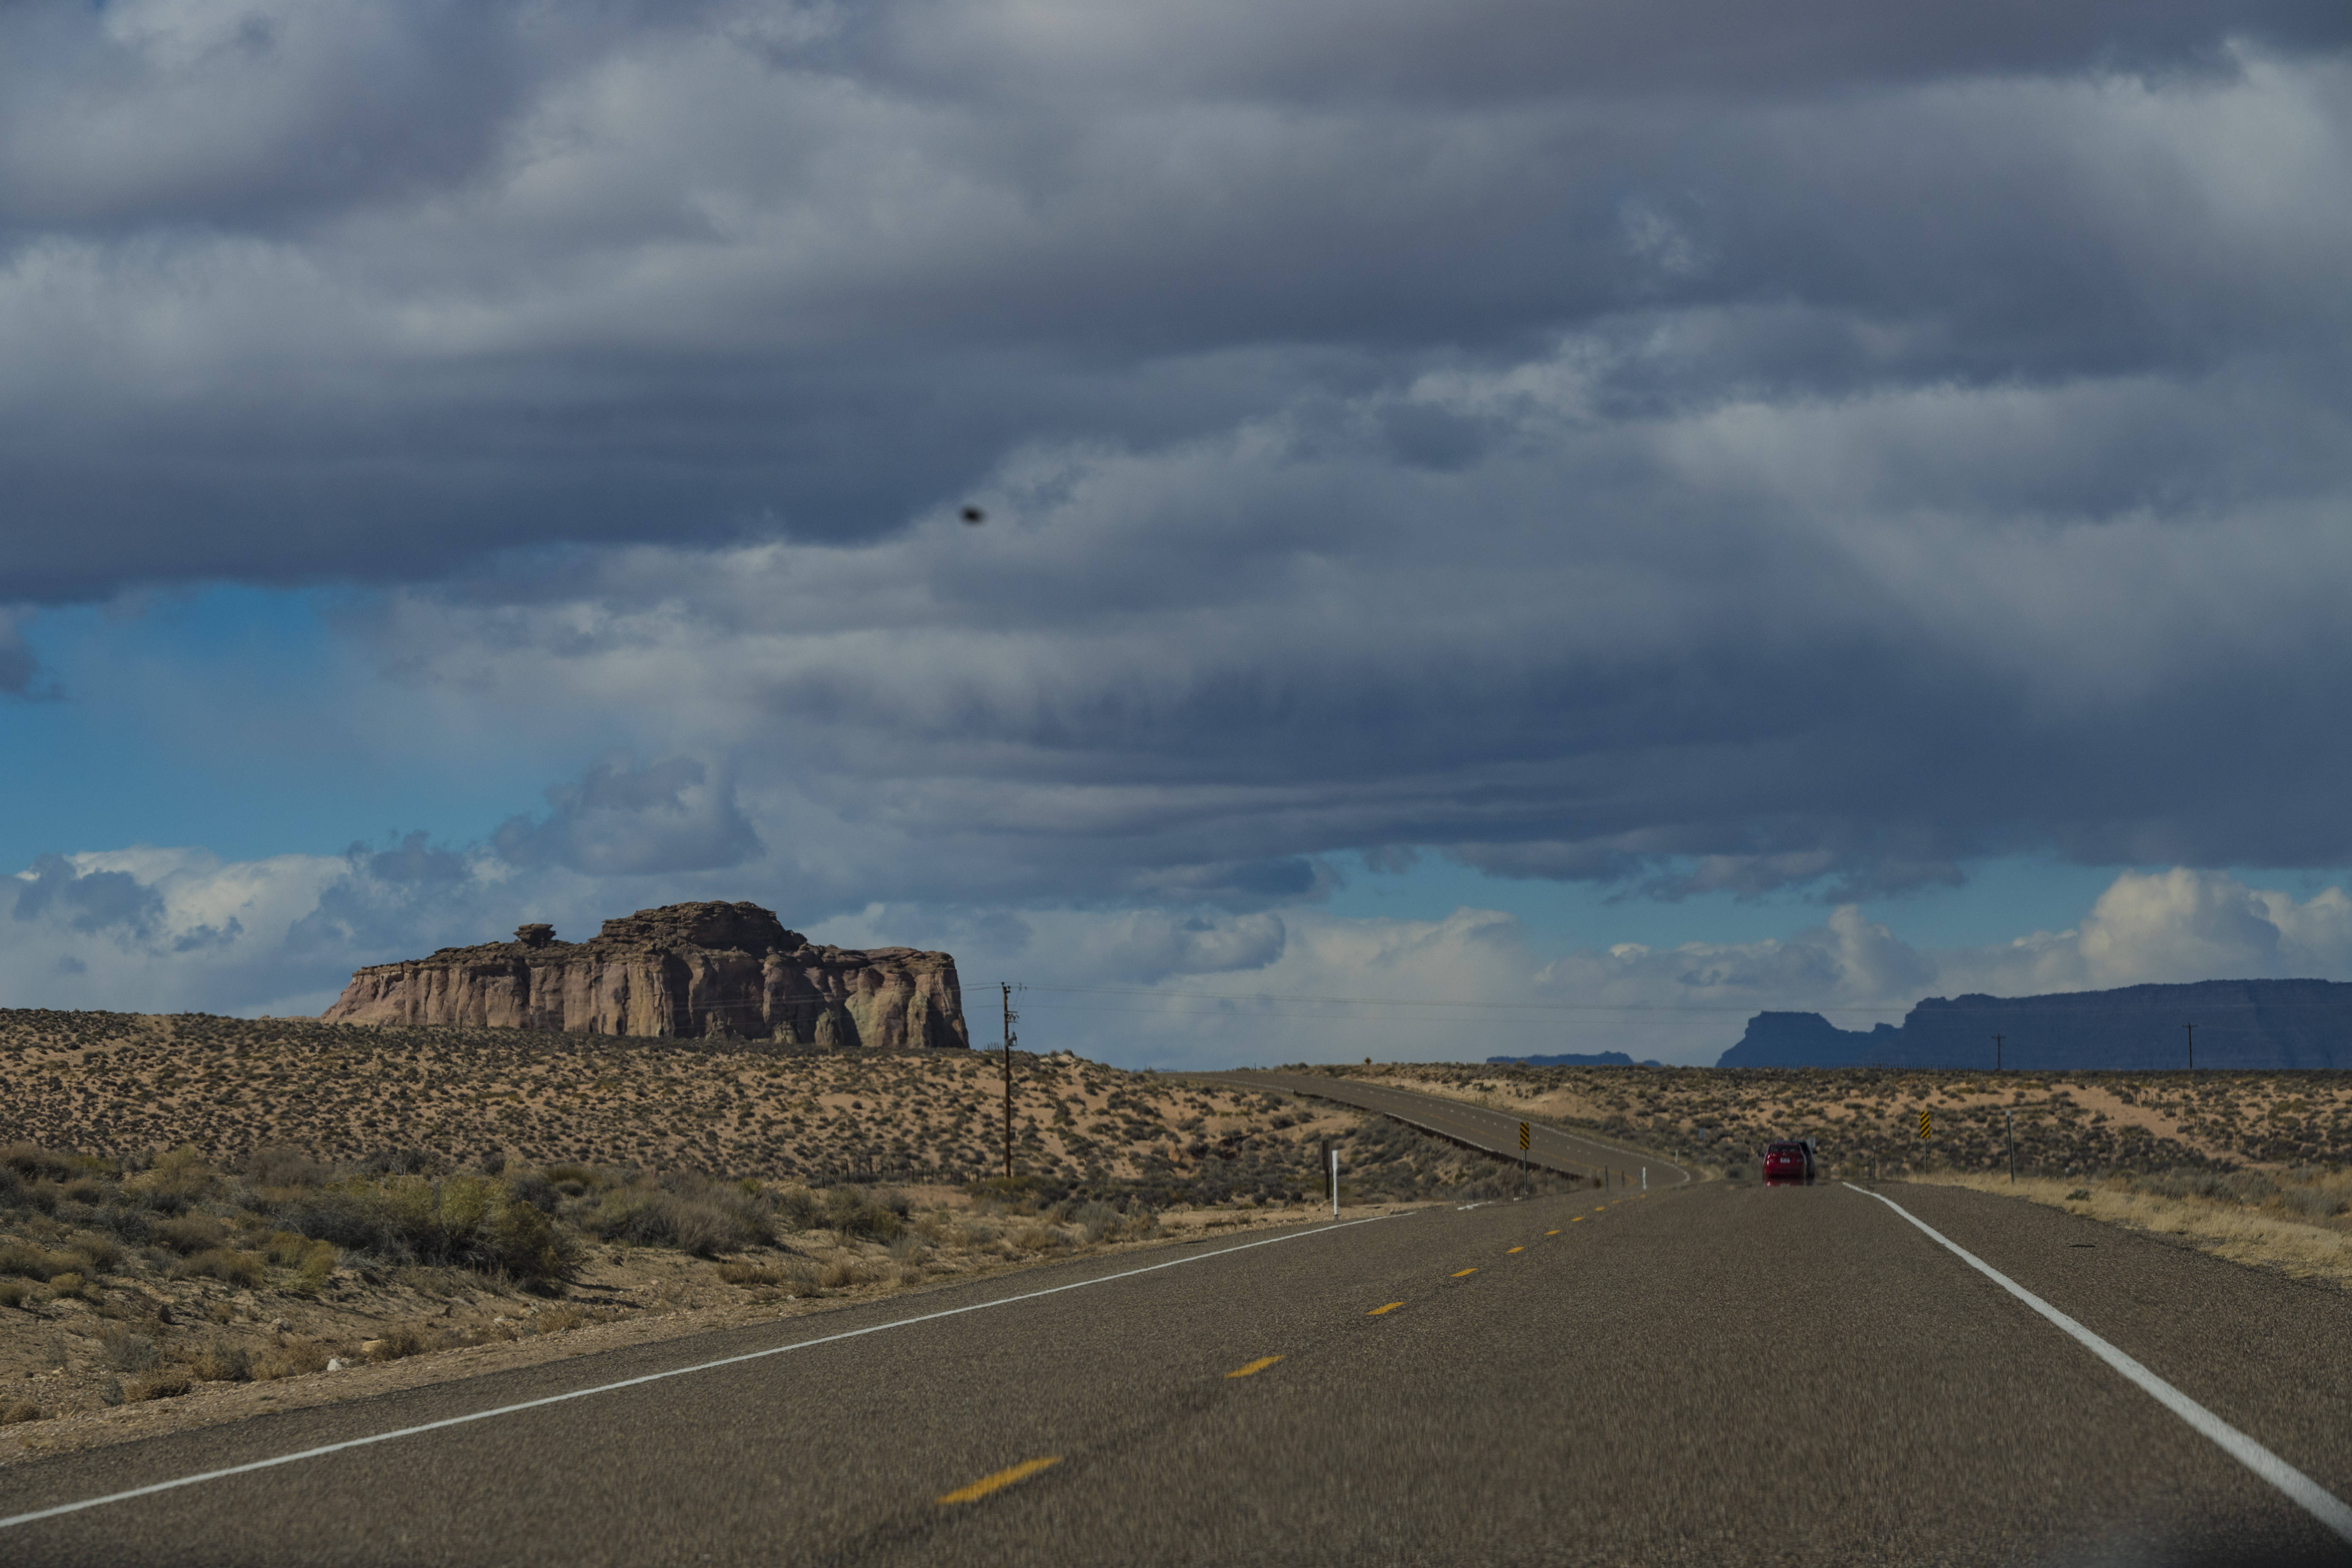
pixel 2242 1024
pixel 708 970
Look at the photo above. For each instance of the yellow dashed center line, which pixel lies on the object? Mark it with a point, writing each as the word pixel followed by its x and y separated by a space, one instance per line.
pixel 1517 1249
pixel 1258 1365
pixel 1460 1272
pixel 1552 1233
pixel 1391 1307
pixel 1577 1220
pixel 1002 1479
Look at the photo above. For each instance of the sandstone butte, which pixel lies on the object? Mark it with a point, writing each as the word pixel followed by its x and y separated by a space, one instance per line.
pixel 712 970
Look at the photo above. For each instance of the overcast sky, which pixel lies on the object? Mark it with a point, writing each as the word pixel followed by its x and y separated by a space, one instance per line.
pixel 1633 512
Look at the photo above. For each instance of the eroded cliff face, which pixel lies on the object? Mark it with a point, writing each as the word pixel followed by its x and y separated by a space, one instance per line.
pixel 713 970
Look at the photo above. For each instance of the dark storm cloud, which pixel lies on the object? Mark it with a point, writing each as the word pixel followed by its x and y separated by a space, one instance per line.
pixel 623 820
pixel 1704 448
pixel 1503 49
pixel 592 275
pixel 21 674
pixel 55 890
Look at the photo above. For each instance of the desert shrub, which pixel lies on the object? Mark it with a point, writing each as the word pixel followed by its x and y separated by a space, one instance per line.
pixel 798 1209
pixel 396 1344
pixel 469 1222
pixel 178 1178
pixel 33 1162
pixel 737 1273
pixel 313 1262
pixel 1037 1238
pixel 220 1263
pixel 220 1362
pixel 535 1190
pixel 14 1293
pixel 286 1249
pixel 188 1231
pixel 284 1168
pixel 841 1272
pixel 1097 1220
pixel 30 1262
pixel 291 1358
pixel 852 1213
pixel 102 1254
pixel 88 1190
pixel 69 1284
pixel 157 1386
pixel 399 1163
pixel 706 1220
pixel 583 1176
pixel 19 1413
pixel 2313 1202
pixel 558 1321
pixel 125 1349
pixel 316 1267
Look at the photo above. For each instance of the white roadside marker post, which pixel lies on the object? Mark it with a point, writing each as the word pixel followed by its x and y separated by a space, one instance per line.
pixel 1334 1180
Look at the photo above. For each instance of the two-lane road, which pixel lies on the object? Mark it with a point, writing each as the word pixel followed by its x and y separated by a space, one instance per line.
pixel 1496 1132
pixel 1712 1374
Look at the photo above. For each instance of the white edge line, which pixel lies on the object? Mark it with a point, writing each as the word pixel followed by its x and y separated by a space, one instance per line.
pixel 2314 1499
pixel 324 1449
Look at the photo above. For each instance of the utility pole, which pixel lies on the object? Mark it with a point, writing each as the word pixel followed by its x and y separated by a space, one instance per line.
pixel 1996 1053
pixel 1009 1016
pixel 2192 1045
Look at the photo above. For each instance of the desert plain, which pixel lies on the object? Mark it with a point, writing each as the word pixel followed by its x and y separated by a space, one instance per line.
pixel 204 1218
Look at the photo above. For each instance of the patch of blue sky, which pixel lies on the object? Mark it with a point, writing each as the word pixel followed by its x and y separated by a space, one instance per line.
pixel 238 720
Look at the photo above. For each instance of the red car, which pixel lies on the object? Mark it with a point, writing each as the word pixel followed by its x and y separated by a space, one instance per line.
pixel 1792 1160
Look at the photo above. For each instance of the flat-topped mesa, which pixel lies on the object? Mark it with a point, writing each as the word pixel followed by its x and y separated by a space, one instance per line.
pixel 693 971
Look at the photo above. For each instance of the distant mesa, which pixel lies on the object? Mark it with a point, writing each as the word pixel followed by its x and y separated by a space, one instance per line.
pixel 2251 1024
pixel 712 970
pixel 1565 1060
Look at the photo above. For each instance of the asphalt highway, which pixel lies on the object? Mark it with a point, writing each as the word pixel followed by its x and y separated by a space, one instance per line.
pixel 1710 1374
pixel 1496 1132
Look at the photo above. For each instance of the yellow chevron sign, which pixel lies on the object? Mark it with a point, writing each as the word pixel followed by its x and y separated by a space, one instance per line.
pixel 1523 1137
pixel 1926 1127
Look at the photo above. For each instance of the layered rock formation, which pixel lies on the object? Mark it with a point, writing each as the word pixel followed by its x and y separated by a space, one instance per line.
pixel 713 970
pixel 2245 1023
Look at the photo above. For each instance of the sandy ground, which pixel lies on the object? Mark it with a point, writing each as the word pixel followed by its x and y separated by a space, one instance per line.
pixel 118 1084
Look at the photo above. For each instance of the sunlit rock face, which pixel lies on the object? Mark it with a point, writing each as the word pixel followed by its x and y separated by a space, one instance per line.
pixel 709 970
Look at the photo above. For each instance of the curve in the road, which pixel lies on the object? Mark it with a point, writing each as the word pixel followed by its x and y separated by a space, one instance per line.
pixel 1493 1131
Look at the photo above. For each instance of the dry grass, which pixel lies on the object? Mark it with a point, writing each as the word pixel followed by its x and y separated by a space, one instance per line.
pixel 2292 1226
